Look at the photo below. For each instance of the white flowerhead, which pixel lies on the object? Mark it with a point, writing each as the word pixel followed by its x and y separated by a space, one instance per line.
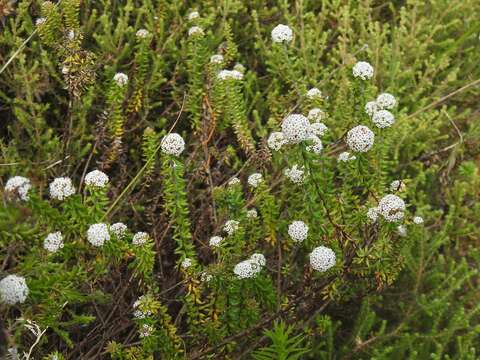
pixel 186 263
pixel 345 156
pixel 418 220
pixel 142 34
pixel 298 231
pixel 391 207
pixel 96 178
pixel 402 230
pixel 140 238
pixel 314 93
pixel 215 241
pixel 255 179
pixel 371 107
pixel 216 59
pixel 316 115
pixel 252 214
pixel 230 75
pixel 244 269
pixel 205 277
pixel 173 144
pixel 383 119
pixel 193 15
pixel 239 67
pixel 322 258
pixel 397 185
pixel 372 214
pixel 13 289
pixel 316 146
pixel 19 186
pixel 234 181
pixel 39 21
pixel 259 259
pixel 386 101
pixel 282 33
pixel 318 128
pixel 195 30
pixel 146 330
pixel 363 70
pixel 97 234
pixel 118 229
pixel 53 242
pixel 121 79
pixel 360 138
pixel 61 188
pixel 296 128
pixel 231 226
pixel 295 174
pixel 276 140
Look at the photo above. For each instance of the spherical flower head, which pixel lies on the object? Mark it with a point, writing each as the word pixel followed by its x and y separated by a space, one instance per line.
pixel 18 186
pixel 234 181
pixel 193 15
pixel 53 242
pixel 316 115
pixel 118 229
pixel 363 70
pixel 418 220
pixel 402 230
pixel 296 128
pixel 276 140
pixel 259 259
pixel 39 21
pixel 173 144
pixel 391 207
pixel 397 185
pixel 282 33
pixel 316 146
pixel 186 263
pixel 61 188
pixel 298 231
pixel 13 290
pixel 146 330
pixel 318 128
pixel 121 79
pixel 383 119
pixel 252 214
pixel 205 277
pixel 231 226
pixel 295 174
pixel 346 156
pixel 96 178
pixel 230 75
pixel 386 101
pixel 255 179
pixel 360 138
pixel 244 269
pixel 140 238
pixel 322 258
pixel 142 34
pixel 314 93
pixel 371 107
pixel 216 59
pixel 215 241
pixel 372 214
pixel 97 234
pixel 195 30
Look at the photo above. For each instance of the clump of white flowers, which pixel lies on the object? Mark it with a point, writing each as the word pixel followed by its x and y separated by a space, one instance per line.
pixel 230 75
pixel 97 234
pixel 383 119
pixel 282 33
pixel 96 178
pixel 239 67
pixel 61 188
pixel 360 138
pixel 363 70
pixel 39 21
pixel 391 207
pixel 121 79
pixel 314 93
pixel 418 220
pixel 216 59
pixel 139 306
pixel 215 241
pixel 371 107
pixel 231 226
pixel 195 30
pixel 234 181
pixel 386 101
pixel 372 214
pixel 146 330
pixel 295 174
pixel 193 15
pixel 186 263
pixel 252 214
pixel 250 267
pixel 255 179
pixel 142 33
pixel 53 242
pixel 298 231
pixel 276 140
pixel 140 238
pixel 296 128
pixel 259 259
pixel 13 290
pixel 118 229
pixel 402 230
pixel 322 258
pixel 346 156
pixel 397 185
pixel 316 146
pixel 318 128
pixel 316 114
pixel 173 144
pixel 18 185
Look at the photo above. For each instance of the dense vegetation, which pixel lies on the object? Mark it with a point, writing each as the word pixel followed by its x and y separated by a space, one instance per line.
pixel 189 180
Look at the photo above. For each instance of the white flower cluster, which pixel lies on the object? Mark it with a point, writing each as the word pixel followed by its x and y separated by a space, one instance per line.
pixel 186 263
pixel 230 75
pixel 239 67
pixel 139 307
pixel 231 226
pixel 96 178
pixel 360 138
pixel 276 140
pixel 346 156
pixel 146 330
pixel 316 146
pixel 216 59
pixel 234 181
pixel 322 258
pixel 250 267
pixel 363 70
pixel 372 214
pixel 383 119
pixel 282 33
pixel 13 289
pixel 142 33
pixel 397 185
pixel 118 229
pixel 318 128
pixel 391 207
pixel 195 30
pixel 173 144
pixel 298 231
pixel 418 220
pixel 215 241
pixel 53 242
pixel 193 15
pixel 121 79
pixel 140 238
pixel 39 21
pixel 296 128
pixel 255 179
pixel 19 186
pixel 295 174
pixel 61 188
pixel 314 93
pixel 402 230
pixel 252 214
pixel 316 115
pixel 97 234
pixel 371 107
pixel 386 101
